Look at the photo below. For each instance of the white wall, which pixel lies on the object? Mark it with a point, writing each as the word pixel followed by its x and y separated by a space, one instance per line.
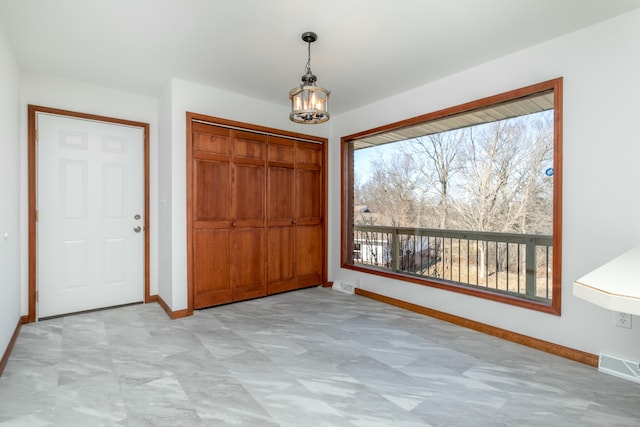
pixel 195 98
pixel 601 148
pixel 53 92
pixel 165 247
pixel 9 193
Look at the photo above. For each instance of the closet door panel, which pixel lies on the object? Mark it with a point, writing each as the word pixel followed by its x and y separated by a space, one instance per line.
pixel 309 255
pixel 308 197
pixel 249 145
pixel 249 195
pixel 280 215
pixel 309 185
pixel 211 268
pixel 280 260
pixel 211 139
pixel 247 263
pixel 308 155
pixel 280 192
pixel 211 215
pixel 212 191
pixel 281 150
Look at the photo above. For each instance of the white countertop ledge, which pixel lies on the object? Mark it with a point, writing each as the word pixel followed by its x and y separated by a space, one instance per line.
pixel 615 285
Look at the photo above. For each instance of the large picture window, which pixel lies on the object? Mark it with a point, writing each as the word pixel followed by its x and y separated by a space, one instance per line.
pixel 466 199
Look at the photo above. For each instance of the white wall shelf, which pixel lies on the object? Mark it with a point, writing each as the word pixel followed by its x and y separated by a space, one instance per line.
pixel 615 285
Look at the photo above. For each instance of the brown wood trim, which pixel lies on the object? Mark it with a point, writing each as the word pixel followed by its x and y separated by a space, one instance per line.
pixel 251 127
pixel 147 223
pixel 556 292
pixel 325 209
pixel 32 169
pixel 172 314
pixel 538 344
pixel 152 298
pixel 346 211
pixel 7 353
pixel 189 160
pixel 346 201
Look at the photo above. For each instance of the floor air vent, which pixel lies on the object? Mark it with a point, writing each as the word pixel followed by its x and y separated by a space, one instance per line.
pixel 346 288
pixel 619 367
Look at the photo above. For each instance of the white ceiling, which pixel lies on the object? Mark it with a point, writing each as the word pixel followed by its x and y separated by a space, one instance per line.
pixel 366 49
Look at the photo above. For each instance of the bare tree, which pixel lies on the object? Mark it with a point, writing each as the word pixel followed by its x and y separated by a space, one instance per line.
pixel 503 164
pixel 537 194
pixel 392 190
pixel 395 193
pixel 440 150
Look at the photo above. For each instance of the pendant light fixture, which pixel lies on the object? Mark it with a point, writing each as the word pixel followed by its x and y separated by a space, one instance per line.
pixel 309 103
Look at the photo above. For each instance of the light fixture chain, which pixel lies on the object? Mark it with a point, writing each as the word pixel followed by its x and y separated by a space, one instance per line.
pixel 307 69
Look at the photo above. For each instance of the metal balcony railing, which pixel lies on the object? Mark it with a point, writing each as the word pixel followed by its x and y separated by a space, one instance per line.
pixel 508 263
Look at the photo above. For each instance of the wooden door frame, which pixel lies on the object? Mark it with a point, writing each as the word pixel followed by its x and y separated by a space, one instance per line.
pixel 33 110
pixel 195 117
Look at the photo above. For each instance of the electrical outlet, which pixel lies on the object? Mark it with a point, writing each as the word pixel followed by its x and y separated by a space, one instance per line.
pixel 623 320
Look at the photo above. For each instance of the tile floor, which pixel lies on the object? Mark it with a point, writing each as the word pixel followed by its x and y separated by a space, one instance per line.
pixel 314 358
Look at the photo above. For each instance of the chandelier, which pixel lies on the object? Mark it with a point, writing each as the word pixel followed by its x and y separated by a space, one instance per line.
pixel 309 103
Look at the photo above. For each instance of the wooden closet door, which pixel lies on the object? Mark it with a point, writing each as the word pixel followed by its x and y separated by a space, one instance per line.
pixel 281 275
pixel 211 207
pixel 248 216
pixel 309 198
pixel 256 206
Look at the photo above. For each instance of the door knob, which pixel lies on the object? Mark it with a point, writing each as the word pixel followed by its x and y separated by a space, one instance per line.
pixel 137 229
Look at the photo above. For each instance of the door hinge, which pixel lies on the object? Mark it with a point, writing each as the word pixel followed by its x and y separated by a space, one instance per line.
pixel 37 296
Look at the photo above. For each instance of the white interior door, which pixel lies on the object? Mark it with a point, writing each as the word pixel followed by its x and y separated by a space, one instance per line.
pixel 90 235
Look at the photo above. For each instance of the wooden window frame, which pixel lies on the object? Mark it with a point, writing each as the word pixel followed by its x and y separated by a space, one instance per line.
pixel 347 215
